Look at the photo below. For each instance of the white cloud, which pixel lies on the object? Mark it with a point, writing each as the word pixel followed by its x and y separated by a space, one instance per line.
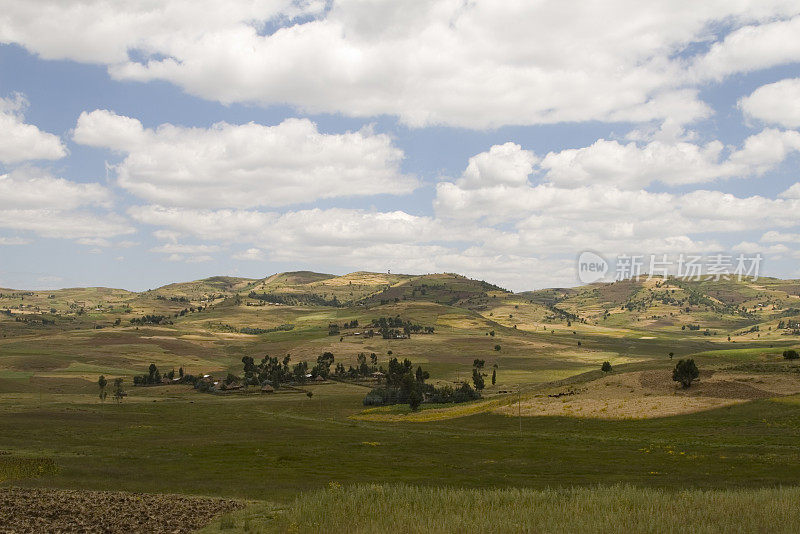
pixel 749 247
pixel 671 163
pixel 776 103
pixel 428 61
pixel 93 242
pixel 33 200
pixel 175 248
pixel 13 241
pixel 245 165
pixel 753 47
pixel 31 188
pixel 64 224
pixel 773 236
pixel 24 142
pixel 792 193
pixel 251 254
pixel 506 164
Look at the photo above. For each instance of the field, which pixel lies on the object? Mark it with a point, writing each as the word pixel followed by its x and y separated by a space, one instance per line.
pixel 550 430
pixel 398 508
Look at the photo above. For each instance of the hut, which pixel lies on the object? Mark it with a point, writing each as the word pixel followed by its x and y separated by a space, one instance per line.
pixel 266 388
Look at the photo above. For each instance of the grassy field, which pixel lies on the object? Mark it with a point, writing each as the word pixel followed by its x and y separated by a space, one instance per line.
pixel 400 508
pixel 736 428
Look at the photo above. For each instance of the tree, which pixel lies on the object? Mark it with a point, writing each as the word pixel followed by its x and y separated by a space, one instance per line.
pixel 414 399
pixel 478 364
pixel 102 383
pixel 477 379
pixel 118 391
pixel 606 367
pixel 791 354
pixel 494 376
pixel 497 347
pixel 421 375
pixel 671 354
pixel 685 371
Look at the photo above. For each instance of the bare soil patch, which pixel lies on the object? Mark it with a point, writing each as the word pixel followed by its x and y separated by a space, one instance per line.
pixel 648 394
pixel 33 510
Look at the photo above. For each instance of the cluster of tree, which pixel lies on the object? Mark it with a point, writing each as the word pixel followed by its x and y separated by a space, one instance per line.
pixel 154 376
pixel 118 392
pixel 190 309
pixel 395 327
pixel 404 385
pixel 295 299
pixel 173 299
pixel 361 370
pixel 790 354
pixel 151 319
pixel 254 331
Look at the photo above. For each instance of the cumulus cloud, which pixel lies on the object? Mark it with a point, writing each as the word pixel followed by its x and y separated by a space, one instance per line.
pixel 792 192
pixel 30 188
pixel 775 103
pixel 425 62
pixel 33 200
pixel 24 142
pixel 753 47
pixel 64 224
pixel 251 254
pixel 633 165
pixel 245 165
pixel 13 241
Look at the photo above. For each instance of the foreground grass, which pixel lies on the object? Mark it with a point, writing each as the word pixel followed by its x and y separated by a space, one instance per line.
pixel 403 508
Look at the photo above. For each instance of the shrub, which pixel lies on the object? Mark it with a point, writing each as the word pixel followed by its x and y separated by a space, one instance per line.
pixel 791 354
pixel 606 367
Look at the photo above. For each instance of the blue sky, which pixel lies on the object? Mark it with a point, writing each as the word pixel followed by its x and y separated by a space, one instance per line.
pixel 144 145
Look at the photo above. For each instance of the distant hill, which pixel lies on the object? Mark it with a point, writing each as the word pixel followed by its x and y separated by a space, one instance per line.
pixel 655 304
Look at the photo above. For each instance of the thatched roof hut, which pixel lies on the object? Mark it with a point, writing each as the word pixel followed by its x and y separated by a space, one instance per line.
pixel 267 389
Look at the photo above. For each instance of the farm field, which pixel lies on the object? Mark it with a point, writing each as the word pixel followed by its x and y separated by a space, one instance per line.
pixel 553 426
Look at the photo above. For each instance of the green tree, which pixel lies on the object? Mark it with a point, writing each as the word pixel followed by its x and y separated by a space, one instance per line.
pixel 102 383
pixel 685 372
pixel 606 367
pixel 494 376
pixel 119 392
pixel 477 379
pixel 791 354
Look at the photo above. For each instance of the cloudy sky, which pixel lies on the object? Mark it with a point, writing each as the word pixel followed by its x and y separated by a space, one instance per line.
pixel 150 141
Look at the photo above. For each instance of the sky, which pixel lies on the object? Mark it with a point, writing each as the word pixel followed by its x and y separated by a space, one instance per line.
pixel 150 142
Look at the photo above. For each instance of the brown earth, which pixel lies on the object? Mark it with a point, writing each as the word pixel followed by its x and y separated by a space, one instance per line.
pixel 33 510
pixel 647 394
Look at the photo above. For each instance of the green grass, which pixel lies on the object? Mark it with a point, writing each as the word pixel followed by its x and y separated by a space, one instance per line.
pixel 167 440
pixel 401 508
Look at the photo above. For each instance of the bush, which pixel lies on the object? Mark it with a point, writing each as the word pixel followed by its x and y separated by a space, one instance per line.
pixel 685 372
pixel 606 367
pixel 791 354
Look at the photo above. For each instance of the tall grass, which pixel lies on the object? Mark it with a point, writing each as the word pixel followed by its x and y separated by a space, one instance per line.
pixel 415 509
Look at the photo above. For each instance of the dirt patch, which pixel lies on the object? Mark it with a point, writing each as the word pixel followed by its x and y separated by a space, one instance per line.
pixel 648 394
pixel 24 510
